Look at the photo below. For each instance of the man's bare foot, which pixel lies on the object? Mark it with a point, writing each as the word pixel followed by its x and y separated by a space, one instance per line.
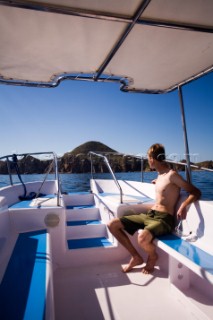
pixel 149 267
pixel 134 261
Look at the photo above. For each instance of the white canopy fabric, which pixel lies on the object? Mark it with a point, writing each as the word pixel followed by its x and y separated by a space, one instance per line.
pixel 149 45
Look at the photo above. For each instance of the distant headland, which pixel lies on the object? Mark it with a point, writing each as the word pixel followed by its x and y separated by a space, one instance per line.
pixel 78 161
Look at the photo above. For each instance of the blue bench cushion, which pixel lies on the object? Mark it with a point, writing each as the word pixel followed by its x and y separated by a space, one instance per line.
pixel 23 288
pixel 26 203
pixel 196 255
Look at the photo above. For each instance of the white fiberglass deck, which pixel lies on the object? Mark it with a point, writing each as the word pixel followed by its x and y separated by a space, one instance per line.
pixel 105 292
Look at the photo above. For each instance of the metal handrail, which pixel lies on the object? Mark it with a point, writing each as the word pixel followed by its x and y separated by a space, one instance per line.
pixel 141 158
pixel 191 165
pixel 105 205
pixel 110 170
pixel 33 154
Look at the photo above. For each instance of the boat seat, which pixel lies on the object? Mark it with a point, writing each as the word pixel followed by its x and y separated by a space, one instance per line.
pixel 44 200
pixel 186 253
pixel 25 289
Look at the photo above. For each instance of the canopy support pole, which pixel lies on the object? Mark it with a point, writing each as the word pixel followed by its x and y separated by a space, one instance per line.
pixel 188 168
pixel 120 41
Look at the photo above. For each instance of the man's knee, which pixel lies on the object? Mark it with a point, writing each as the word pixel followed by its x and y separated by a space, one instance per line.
pixel 144 237
pixel 114 224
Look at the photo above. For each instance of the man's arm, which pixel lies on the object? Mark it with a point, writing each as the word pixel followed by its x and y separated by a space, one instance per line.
pixel 194 194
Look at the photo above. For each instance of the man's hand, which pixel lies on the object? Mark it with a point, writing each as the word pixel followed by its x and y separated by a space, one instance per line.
pixel 182 213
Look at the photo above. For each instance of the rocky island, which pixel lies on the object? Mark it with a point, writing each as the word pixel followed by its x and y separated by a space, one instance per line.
pixel 79 161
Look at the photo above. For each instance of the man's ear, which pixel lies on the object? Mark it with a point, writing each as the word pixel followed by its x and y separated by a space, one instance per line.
pixel 151 160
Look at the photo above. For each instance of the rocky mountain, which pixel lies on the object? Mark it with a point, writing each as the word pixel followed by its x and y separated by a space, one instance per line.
pixel 205 164
pixel 86 147
pixel 27 165
pixel 79 161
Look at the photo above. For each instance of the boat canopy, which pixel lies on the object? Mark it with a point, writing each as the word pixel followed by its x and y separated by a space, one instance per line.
pixel 151 46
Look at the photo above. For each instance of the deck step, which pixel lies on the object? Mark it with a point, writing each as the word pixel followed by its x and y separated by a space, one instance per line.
pixel 79 199
pixel 88 243
pixel 83 231
pixel 84 226
pixel 87 213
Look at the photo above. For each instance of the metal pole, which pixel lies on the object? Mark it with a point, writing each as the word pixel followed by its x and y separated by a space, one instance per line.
pixel 56 177
pixel 91 165
pixel 142 162
pixel 112 173
pixel 188 169
pixel 114 178
pixel 120 41
pixel 9 171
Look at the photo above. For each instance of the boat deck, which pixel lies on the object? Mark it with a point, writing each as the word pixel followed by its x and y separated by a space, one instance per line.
pixel 103 292
pixel 127 198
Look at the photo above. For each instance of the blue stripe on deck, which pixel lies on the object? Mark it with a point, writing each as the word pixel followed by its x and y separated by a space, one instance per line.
pixel 190 251
pixel 23 288
pixel 80 206
pixel 83 222
pixel 79 193
pixel 88 243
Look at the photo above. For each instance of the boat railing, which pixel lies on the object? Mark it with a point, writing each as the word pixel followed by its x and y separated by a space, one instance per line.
pixel 91 153
pixel 180 163
pixel 13 159
pixel 141 158
pixel 186 165
pixel 110 212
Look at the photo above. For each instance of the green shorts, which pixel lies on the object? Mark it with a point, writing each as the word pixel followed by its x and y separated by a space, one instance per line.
pixel 158 223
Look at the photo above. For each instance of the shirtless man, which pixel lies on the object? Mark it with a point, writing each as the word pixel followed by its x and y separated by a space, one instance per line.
pixel 159 219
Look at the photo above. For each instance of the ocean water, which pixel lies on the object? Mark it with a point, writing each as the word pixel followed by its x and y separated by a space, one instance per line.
pixel 81 182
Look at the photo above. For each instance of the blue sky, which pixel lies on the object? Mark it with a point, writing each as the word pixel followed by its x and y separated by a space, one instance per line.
pixel 60 119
